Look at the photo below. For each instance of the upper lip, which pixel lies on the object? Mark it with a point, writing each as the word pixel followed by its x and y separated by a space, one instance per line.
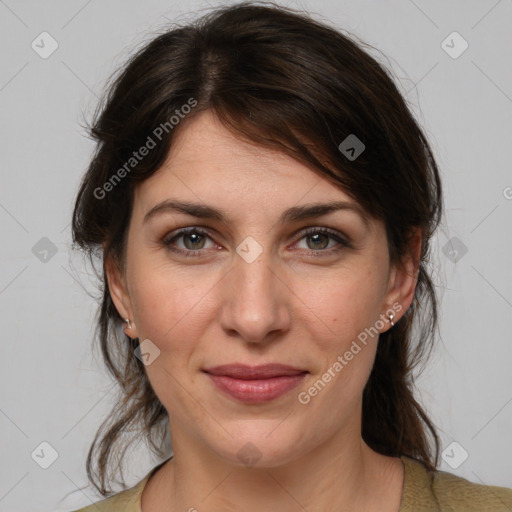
pixel 248 372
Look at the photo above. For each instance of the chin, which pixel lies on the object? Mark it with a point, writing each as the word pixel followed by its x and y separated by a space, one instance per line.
pixel 259 450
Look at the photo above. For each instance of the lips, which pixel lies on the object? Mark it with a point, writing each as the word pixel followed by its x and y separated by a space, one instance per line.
pixel 247 372
pixel 255 384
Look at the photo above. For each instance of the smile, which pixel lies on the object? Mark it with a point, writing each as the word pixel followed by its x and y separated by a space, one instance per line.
pixel 256 391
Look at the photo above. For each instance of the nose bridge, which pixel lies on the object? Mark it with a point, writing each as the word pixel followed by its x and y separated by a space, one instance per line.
pixel 254 303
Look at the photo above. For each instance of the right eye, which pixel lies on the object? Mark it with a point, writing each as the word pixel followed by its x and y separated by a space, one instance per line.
pixel 193 240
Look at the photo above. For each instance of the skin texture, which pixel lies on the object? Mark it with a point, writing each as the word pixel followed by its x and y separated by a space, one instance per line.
pixel 299 303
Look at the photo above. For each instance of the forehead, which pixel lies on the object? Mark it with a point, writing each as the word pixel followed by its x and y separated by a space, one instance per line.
pixel 206 147
pixel 210 165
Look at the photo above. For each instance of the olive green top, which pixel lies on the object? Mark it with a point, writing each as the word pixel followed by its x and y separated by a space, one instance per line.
pixel 423 491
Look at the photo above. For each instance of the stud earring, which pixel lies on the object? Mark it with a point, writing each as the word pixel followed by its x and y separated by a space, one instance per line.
pixel 127 320
pixel 391 316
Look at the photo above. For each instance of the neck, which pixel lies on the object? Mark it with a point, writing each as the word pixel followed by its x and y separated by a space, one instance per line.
pixel 337 476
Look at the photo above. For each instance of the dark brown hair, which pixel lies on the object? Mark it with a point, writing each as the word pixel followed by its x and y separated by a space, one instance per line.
pixel 282 80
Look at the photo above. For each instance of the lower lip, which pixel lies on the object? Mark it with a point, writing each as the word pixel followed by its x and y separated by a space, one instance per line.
pixel 259 390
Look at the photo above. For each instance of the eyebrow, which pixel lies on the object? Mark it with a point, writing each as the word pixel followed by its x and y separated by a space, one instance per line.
pixel 294 214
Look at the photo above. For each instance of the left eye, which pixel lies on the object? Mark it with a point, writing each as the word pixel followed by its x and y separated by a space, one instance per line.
pixel 194 239
pixel 320 238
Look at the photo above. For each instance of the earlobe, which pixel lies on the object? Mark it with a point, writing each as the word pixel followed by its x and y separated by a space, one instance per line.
pixel 403 278
pixel 119 294
pixel 129 329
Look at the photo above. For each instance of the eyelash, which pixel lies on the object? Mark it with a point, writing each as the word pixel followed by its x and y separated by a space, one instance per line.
pixel 167 242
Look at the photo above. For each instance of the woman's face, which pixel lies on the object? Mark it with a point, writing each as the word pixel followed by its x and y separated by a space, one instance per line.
pixel 254 288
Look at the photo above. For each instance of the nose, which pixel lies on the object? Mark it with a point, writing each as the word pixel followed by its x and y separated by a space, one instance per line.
pixel 255 301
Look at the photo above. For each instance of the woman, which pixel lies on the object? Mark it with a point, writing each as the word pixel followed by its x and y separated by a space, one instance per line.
pixel 263 201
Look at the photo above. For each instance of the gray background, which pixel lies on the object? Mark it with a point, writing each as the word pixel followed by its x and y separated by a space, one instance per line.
pixel 53 386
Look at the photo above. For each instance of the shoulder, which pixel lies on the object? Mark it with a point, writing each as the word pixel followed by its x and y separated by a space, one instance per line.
pixel 441 491
pixel 128 500
pixel 461 494
pixel 124 501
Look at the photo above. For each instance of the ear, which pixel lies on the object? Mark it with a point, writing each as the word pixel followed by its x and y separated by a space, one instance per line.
pixel 403 277
pixel 120 296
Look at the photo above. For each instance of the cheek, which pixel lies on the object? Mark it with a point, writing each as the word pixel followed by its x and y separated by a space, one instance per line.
pixel 342 307
pixel 341 314
pixel 172 313
pixel 169 306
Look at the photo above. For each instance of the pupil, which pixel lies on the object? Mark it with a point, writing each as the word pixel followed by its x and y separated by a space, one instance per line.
pixel 316 237
pixel 189 237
